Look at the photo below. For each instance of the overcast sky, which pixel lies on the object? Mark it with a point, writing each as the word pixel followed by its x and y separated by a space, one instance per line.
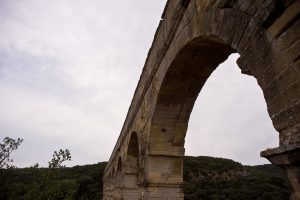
pixel 68 71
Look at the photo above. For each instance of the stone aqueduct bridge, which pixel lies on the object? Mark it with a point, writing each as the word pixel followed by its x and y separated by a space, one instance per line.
pixel 192 39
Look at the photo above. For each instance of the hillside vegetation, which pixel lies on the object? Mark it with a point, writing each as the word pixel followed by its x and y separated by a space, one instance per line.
pixel 204 178
pixel 217 178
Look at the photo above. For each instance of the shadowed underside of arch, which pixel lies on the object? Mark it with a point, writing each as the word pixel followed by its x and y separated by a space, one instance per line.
pixel 177 95
pixel 193 38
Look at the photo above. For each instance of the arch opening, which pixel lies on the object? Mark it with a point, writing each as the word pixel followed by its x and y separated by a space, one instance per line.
pixel 131 176
pixel 230 118
pixel 178 92
pixel 118 180
pixel 180 88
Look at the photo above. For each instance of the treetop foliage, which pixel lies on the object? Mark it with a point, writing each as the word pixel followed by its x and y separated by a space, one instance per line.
pixel 6 148
pixel 59 158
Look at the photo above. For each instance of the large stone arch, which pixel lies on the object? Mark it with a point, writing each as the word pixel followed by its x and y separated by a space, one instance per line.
pixel 193 38
pixel 178 92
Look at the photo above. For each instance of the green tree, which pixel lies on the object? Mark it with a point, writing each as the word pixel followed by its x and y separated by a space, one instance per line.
pixel 59 158
pixel 48 185
pixel 6 148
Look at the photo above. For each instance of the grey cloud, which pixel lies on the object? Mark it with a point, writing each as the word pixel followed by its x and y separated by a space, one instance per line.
pixel 69 69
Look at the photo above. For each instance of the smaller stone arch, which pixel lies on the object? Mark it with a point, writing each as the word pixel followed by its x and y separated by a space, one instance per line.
pixel 110 179
pixel 118 179
pixel 132 166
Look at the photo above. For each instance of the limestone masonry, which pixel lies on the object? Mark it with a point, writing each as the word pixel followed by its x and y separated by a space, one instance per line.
pixel 192 39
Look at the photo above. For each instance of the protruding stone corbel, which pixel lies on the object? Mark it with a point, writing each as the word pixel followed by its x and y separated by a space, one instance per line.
pixel 287 158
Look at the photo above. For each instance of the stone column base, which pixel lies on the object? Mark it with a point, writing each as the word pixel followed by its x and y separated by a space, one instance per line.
pixel 163 192
pixel 287 158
